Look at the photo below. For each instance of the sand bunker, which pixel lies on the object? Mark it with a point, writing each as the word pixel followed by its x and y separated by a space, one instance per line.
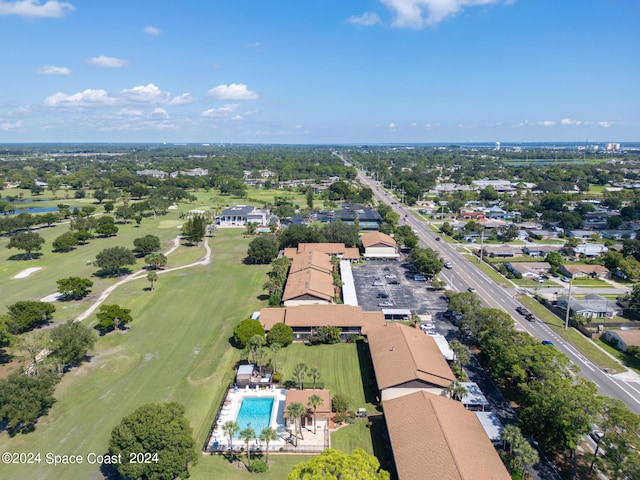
pixel 27 272
pixel 51 298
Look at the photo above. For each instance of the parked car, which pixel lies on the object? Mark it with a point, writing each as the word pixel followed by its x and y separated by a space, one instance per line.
pixel 393 282
pixel 596 435
pixel 378 283
pixel 382 295
pixel 385 304
pixel 390 275
pixel 420 278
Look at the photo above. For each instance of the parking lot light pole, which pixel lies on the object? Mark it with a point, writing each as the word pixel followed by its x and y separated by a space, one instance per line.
pixel 566 318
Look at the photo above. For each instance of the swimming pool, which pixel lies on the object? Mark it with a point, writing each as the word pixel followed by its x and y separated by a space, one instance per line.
pixel 255 412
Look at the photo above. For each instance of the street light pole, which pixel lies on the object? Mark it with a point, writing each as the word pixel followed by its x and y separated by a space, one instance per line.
pixel 566 318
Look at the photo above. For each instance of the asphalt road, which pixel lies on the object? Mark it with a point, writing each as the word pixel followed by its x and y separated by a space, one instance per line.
pixel 465 274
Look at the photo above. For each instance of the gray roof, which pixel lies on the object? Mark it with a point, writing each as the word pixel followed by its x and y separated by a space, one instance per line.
pixel 238 210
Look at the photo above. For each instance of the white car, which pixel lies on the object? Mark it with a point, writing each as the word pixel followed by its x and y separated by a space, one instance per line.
pixel 448 265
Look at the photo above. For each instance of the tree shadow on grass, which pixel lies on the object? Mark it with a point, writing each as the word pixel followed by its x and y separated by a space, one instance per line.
pixel 263 297
pixel 24 256
pixel 366 372
pixel 5 357
pixel 112 273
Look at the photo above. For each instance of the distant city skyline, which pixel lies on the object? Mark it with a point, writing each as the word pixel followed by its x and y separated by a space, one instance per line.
pixel 320 71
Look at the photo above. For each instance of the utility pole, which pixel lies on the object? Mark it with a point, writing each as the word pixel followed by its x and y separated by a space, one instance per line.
pixel 566 317
pixel 481 243
pixel 402 195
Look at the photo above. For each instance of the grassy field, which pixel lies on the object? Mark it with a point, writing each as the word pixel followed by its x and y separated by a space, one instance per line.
pixel 488 271
pixel 176 350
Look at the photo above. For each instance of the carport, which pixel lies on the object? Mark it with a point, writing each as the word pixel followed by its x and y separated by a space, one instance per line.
pixel 396 314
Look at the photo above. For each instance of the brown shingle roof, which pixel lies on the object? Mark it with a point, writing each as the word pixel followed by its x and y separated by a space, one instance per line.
pixel 309 282
pixel 371 239
pixel 329 248
pixel 435 437
pixel 403 354
pixel 321 316
pixel 312 259
pixel 302 396
pixel 585 269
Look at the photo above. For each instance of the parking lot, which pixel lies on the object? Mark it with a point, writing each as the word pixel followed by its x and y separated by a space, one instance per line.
pixel 395 281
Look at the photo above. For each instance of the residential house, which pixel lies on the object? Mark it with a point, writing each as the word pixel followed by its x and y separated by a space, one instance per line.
pixel 307 287
pixel 500 251
pixel 151 173
pixel 498 185
pixel 537 250
pixel 542 234
pixel 241 215
pixel 529 269
pixel 435 437
pixel 592 306
pixel 584 271
pixel 406 360
pixel 621 339
pixel 589 250
pixel 194 172
pixel 379 245
pixel 305 319
pixel 469 214
pixel 618 234
pixel 583 234
pixel 368 217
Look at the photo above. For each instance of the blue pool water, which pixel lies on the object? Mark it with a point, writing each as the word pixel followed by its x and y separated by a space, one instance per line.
pixel 255 411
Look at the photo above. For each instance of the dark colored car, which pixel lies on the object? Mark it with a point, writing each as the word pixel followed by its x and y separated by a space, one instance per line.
pixel 437 239
pixel 548 342
pixel 382 295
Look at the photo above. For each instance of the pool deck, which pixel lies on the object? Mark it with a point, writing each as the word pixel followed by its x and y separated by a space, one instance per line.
pixel 219 441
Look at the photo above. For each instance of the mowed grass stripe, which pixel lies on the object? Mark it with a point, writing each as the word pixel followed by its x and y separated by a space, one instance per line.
pixel 176 350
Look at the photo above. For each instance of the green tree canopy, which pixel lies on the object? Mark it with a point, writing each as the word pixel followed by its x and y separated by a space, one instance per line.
pixel 65 242
pixel 72 342
pixel 156 260
pixel 28 314
pixel 146 245
pixel 24 398
pixel 426 261
pixel 335 464
pixel 74 288
pixel 111 317
pixel 262 249
pixel 161 431
pixel 27 241
pixel 280 333
pixel 113 260
pixel 245 330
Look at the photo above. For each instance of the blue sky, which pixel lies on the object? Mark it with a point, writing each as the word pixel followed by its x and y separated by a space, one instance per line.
pixel 319 71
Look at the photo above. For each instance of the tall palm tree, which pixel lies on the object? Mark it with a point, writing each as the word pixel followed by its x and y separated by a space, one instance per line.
pixel 525 455
pixel 299 372
pixel 152 277
pixel 275 348
pixel 314 402
pixel 267 435
pixel 247 434
pixel 314 373
pixel 230 428
pixel 511 435
pixel 296 411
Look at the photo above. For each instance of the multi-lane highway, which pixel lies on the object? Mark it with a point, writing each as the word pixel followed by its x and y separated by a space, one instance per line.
pixel 464 274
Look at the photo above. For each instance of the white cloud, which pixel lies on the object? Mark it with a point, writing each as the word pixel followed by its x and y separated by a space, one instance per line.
pixel 107 62
pixel 568 121
pixel 34 8
pixel 547 123
pixel 129 112
pixel 57 71
pixel 392 126
pixel 182 99
pixel 6 126
pixel 430 126
pixel 367 19
pixel 159 114
pixel 604 124
pixel 142 94
pixel 421 13
pixel 153 31
pixel 234 91
pixel 223 111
